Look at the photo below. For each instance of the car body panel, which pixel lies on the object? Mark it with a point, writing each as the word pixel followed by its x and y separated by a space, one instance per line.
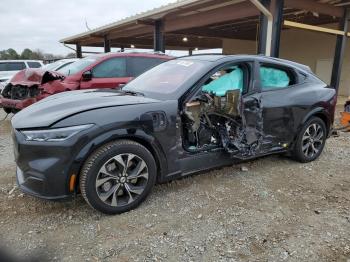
pixel 274 117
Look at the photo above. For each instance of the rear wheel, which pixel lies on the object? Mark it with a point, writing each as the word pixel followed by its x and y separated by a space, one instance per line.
pixel 311 141
pixel 118 177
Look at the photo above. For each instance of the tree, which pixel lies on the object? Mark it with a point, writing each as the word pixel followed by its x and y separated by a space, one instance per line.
pixel 27 54
pixel 9 54
pixel 12 53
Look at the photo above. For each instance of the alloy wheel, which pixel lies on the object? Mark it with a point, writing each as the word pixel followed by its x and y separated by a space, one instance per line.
pixel 121 179
pixel 312 141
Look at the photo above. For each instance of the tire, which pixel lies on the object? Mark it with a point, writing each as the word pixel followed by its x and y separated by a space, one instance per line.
pixel 311 140
pixel 108 186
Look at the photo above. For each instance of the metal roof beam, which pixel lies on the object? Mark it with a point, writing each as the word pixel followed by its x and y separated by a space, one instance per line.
pixel 317 7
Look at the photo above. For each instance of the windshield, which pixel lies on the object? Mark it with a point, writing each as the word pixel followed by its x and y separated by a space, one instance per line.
pixel 77 66
pixel 165 78
pixel 53 66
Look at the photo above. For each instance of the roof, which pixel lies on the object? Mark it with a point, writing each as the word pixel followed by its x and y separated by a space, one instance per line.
pixel 205 23
pixel 154 13
pixel 217 57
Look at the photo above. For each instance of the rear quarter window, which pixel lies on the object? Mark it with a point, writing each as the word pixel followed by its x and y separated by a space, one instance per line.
pixel 34 64
pixel 139 65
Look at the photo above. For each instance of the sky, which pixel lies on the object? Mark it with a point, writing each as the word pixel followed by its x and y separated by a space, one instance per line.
pixel 40 24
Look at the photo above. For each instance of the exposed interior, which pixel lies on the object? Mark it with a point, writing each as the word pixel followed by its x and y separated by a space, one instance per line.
pixel 217 116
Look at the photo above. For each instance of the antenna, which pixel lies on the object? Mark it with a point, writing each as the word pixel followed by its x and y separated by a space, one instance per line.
pixel 87 26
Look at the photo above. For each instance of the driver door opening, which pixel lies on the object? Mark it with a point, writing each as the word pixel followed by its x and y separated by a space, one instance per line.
pixel 221 115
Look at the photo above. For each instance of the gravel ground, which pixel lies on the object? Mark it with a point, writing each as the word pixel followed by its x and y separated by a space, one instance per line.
pixel 270 209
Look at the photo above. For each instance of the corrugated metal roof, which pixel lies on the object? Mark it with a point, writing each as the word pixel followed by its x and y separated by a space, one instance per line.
pixel 154 13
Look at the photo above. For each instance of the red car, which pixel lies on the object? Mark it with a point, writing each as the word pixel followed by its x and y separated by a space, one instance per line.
pixel 96 71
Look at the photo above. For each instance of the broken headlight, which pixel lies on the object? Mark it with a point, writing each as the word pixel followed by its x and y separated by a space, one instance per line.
pixel 54 135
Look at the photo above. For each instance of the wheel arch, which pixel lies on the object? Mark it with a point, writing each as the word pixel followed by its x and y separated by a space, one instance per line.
pixel 149 142
pixel 320 113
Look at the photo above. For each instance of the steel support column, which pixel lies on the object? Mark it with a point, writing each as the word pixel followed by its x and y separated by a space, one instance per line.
pixel 263 24
pixel 158 36
pixel 277 12
pixel 78 51
pixel 340 50
pixel 106 44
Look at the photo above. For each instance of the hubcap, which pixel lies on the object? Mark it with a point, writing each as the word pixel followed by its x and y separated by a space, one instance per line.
pixel 312 140
pixel 122 179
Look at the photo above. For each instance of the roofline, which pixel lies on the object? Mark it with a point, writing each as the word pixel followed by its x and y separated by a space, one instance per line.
pixel 126 21
pixel 261 57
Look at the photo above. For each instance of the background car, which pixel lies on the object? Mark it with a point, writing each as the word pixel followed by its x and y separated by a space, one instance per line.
pixel 59 64
pixel 97 71
pixel 8 68
pixel 180 117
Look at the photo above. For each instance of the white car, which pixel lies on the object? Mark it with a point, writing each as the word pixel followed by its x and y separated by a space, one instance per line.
pixel 8 68
pixel 59 64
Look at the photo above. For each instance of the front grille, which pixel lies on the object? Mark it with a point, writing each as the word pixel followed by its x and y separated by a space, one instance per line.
pixel 19 92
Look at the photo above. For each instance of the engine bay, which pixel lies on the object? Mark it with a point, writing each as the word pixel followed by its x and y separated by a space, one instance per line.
pixel 214 122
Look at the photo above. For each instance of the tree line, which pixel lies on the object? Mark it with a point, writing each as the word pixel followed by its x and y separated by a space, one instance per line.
pixel 11 54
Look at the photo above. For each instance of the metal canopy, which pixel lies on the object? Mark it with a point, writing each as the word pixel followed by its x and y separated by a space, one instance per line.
pixel 204 23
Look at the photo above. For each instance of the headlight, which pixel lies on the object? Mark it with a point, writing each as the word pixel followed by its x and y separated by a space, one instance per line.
pixel 53 135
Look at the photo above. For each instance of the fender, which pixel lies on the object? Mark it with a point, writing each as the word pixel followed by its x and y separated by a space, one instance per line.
pixel 316 111
pixel 138 135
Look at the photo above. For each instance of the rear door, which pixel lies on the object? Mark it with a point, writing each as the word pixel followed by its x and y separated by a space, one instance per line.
pixel 279 87
pixel 110 73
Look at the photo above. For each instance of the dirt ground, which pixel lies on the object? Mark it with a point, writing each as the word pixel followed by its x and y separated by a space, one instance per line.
pixel 273 209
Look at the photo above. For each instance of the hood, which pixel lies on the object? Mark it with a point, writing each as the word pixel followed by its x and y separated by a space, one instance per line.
pixel 29 77
pixel 56 107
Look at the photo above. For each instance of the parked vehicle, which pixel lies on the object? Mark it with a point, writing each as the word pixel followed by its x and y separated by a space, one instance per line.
pixel 59 64
pixel 185 115
pixel 97 71
pixel 8 68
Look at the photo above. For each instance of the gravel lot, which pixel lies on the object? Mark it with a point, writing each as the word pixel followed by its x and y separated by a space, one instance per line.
pixel 272 209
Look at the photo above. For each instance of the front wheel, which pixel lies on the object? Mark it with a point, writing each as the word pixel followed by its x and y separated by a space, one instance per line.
pixel 118 176
pixel 310 141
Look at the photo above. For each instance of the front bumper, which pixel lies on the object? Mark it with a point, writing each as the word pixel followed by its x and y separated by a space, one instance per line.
pixel 44 169
pixel 16 104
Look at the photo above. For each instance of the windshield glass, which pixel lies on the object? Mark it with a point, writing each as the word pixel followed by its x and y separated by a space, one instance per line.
pixel 53 65
pixel 77 66
pixel 165 78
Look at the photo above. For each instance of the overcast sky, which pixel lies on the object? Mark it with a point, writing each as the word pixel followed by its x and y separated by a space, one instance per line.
pixel 40 24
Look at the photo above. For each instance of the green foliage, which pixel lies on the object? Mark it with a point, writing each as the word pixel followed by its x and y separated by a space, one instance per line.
pixel 11 54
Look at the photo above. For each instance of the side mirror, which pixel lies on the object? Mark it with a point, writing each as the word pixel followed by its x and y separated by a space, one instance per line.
pixel 87 76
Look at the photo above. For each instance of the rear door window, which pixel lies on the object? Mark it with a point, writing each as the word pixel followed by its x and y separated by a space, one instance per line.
pixel 12 66
pixel 139 65
pixel 34 64
pixel 111 68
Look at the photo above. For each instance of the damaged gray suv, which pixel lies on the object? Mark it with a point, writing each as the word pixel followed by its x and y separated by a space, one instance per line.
pixel 183 116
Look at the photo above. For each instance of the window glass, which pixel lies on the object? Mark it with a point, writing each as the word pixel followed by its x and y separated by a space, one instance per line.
pixel 77 66
pixel 231 78
pixel 273 78
pixel 139 65
pixel 114 67
pixel 165 78
pixel 34 64
pixel 12 66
